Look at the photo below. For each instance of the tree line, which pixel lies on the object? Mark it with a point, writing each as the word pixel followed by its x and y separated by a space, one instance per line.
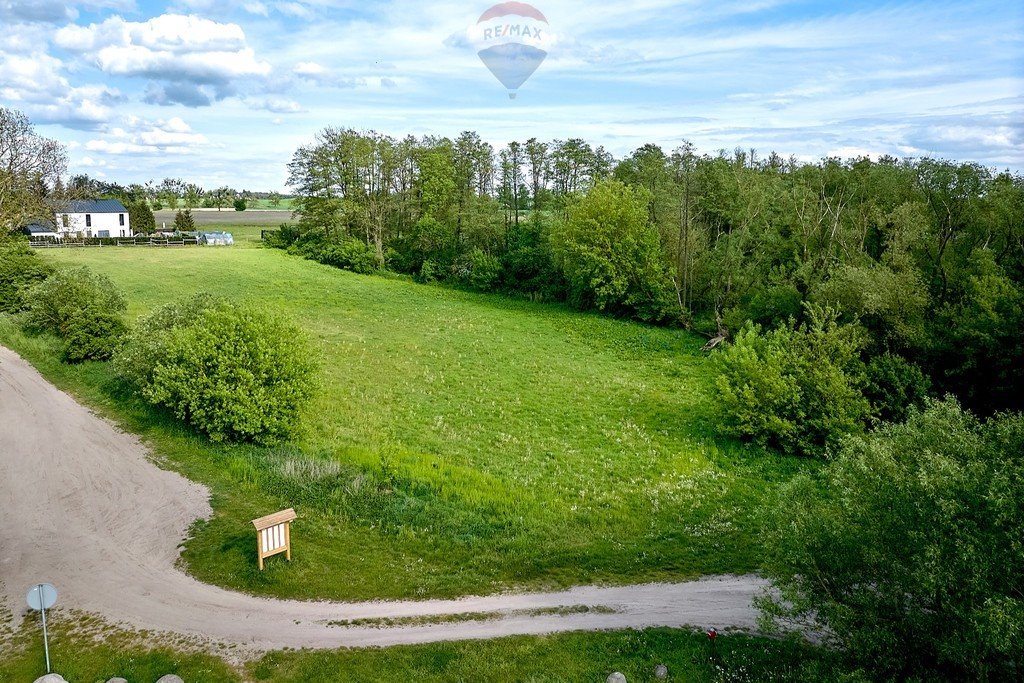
pixel 866 309
pixel 171 193
pixel 926 256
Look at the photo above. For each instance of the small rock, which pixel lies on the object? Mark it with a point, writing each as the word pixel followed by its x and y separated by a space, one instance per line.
pixel 118 680
pixel 50 678
pixel 616 678
pixel 169 678
pixel 661 671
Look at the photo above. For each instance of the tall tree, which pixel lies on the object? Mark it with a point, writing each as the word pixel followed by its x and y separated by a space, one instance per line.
pixel 30 168
pixel 537 158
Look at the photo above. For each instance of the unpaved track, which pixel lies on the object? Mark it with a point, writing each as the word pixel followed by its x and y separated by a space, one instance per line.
pixel 81 507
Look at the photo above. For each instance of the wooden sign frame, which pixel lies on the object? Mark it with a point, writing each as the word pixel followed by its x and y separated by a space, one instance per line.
pixel 273 535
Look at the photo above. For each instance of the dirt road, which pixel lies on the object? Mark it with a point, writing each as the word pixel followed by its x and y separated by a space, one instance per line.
pixel 84 509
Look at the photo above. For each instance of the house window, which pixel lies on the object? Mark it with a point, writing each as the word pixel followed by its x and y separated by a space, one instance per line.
pixel 120 218
pixel 65 220
pixel 88 220
pixel 104 233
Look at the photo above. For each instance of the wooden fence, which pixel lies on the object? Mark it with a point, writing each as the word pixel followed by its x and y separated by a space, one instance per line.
pixel 116 242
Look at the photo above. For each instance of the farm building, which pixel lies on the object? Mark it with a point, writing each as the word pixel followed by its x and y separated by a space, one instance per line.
pixel 94 218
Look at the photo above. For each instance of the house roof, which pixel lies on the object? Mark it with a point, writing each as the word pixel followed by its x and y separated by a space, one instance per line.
pixel 37 228
pixel 94 206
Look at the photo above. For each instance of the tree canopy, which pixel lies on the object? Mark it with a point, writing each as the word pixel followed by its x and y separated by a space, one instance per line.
pixel 907 547
pixel 31 170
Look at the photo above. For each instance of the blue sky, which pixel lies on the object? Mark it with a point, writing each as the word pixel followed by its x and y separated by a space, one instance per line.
pixel 222 92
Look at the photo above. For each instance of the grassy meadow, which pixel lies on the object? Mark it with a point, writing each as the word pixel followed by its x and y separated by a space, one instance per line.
pixel 84 649
pixel 459 443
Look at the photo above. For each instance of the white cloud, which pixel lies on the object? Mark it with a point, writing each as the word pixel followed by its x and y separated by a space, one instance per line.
pixel 294 9
pixel 321 76
pixel 36 83
pixel 277 105
pixel 256 8
pixel 36 12
pixel 143 136
pixel 308 69
pixel 182 52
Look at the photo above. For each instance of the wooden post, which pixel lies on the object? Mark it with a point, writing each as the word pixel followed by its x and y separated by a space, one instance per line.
pixel 288 542
pixel 273 535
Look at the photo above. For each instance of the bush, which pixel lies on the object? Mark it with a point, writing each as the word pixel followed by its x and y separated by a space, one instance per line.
pixel 766 306
pixel 428 272
pixel 908 548
pixel 20 269
pixel 350 254
pixel 478 270
pixel 240 204
pixel 895 387
pixel 81 307
pixel 347 253
pixel 283 237
pixel 94 335
pixel 231 372
pixel 796 388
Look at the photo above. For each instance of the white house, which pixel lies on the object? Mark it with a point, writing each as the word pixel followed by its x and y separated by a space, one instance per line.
pixel 94 218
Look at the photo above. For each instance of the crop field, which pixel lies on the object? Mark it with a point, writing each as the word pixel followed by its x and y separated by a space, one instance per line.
pixel 211 218
pixel 459 443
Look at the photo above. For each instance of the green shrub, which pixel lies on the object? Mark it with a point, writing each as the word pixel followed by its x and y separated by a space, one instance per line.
pixel 94 335
pixel 231 372
pixel 894 387
pixel 907 548
pixel 478 270
pixel 20 269
pixel 795 388
pixel 350 254
pixel 240 204
pixel 283 237
pixel 151 337
pixel 83 308
pixel 428 272
pixel 347 253
pixel 766 305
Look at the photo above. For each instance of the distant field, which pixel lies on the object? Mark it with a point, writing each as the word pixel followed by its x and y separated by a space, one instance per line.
pixel 205 217
pixel 283 204
pixel 461 443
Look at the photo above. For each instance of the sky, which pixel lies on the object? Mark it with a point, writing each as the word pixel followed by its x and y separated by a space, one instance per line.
pixel 220 92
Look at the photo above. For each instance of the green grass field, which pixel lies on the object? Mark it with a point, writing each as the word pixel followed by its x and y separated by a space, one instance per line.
pixel 460 443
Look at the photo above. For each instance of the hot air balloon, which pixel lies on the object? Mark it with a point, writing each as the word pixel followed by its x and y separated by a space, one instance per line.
pixel 511 39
